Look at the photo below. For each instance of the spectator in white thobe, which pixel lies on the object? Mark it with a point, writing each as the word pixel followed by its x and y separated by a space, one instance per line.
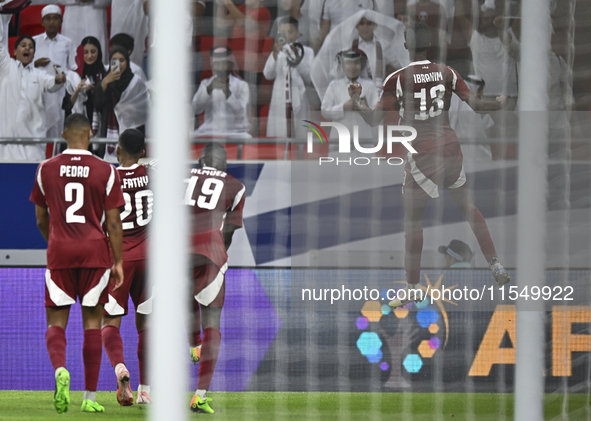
pixel 54 53
pixel 492 60
pixel 127 16
pixel 21 99
pixel 291 73
pixel 224 99
pixel 336 105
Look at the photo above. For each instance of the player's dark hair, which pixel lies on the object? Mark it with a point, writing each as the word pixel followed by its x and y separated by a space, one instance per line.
pixel 214 155
pixel 76 122
pixel 124 40
pixel 132 141
pixel 22 38
pixel 418 37
pixel 289 20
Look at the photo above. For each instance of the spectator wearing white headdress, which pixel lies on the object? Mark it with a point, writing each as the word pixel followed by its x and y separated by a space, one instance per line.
pixel 336 105
pixel 380 37
pixel 224 99
pixel 289 66
pixel 21 98
pixel 55 53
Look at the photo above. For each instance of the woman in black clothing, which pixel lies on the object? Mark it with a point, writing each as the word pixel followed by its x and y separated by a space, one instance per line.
pixel 91 71
pixel 121 99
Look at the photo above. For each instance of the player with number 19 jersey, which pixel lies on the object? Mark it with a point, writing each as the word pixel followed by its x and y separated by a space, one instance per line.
pixel 78 188
pixel 421 93
pixel 217 199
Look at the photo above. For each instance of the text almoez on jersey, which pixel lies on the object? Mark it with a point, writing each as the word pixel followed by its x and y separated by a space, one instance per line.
pixel 345 145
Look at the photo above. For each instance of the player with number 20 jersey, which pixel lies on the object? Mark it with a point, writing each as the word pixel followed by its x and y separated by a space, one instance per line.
pixel 135 217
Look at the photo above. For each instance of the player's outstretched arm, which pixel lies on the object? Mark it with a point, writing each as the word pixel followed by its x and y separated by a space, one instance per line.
pixel 42 215
pixel 371 117
pixel 116 239
pixel 481 106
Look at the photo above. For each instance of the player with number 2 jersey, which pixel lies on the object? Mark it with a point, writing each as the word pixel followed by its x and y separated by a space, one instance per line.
pixel 81 187
pixel 77 200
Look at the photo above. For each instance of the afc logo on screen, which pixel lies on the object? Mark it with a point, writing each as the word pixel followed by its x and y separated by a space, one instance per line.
pixel 345 142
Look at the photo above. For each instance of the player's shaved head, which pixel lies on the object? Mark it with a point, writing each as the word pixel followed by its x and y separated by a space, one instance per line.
pixel 76 122
pixel 214 155
pixel 77 131
pixel 132 142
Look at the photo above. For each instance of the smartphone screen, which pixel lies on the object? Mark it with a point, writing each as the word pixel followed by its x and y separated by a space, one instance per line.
pixel 115 65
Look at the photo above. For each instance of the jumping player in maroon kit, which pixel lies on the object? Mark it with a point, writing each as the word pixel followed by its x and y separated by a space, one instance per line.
pixel 421 93
pixel 217 200
pixel 135 218
pixel 74 194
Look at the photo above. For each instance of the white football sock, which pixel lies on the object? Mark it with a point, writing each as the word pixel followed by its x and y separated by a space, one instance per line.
pixel 201 393
pixel 58 370
pixel 118 367
pixel 143 388
pixel 89 395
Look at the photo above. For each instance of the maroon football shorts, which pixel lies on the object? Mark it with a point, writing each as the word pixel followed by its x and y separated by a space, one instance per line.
pixel 134 285
pixel 62 286
pixel 209 283
pixel 426 172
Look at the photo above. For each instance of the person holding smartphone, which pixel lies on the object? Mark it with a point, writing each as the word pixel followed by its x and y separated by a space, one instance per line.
pixel 122 100
pixel 91 69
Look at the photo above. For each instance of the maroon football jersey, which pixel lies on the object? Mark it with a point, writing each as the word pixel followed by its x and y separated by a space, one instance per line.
pixel 139 200
pixel 421 92
pixel 77 188
pixel 217 199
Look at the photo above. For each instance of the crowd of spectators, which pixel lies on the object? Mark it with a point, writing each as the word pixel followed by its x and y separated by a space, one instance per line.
pixel 259 66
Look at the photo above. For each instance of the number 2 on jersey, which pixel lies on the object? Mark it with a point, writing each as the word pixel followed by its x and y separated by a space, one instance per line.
pixel 211 191
pixel 437 104
pixel 71 217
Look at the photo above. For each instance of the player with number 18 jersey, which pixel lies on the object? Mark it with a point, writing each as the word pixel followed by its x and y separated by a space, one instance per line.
pixel 421 93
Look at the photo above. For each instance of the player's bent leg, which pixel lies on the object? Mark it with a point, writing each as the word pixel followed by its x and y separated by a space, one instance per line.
pixel 113 344
pixel 415 201
pixel 463 200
